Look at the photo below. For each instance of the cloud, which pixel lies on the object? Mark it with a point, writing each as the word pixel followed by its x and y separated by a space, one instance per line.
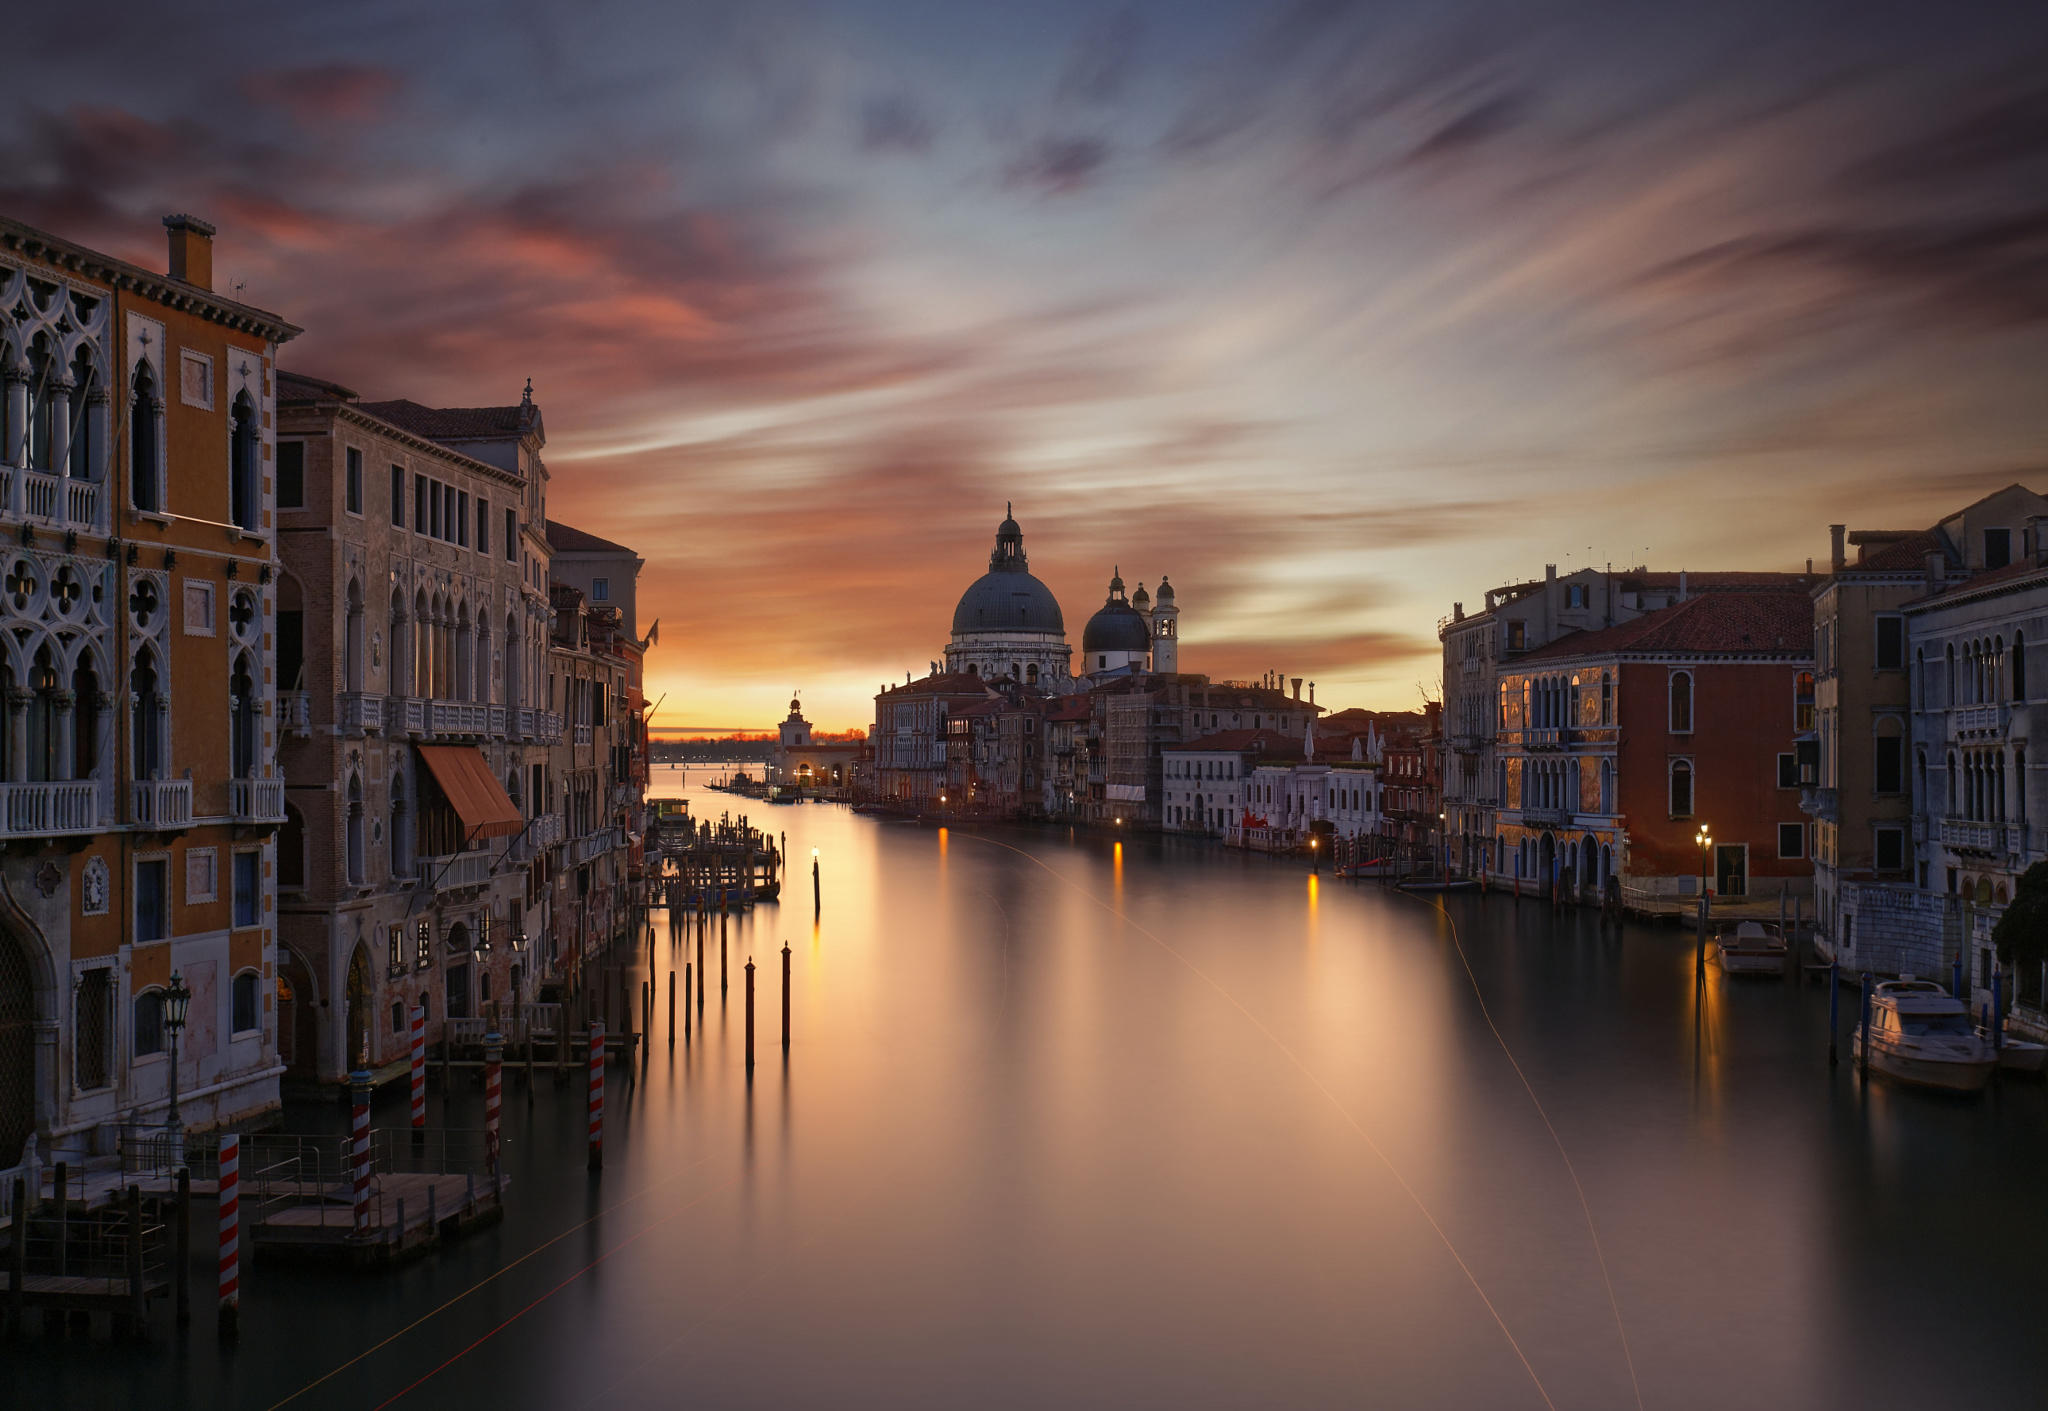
pixel 1475 127
pixel 1099 69
pixel 894 123
pixel 325 93
pixel 1058 166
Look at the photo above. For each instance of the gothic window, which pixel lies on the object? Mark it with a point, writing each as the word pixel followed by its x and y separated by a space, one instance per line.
pixel 245 503
pixel 242 722
pixel 353 826
pixel 248 1009
pixel 2019 666
pixel 352 641
pixel 1681 788
pixel 149 1023
pixel 87 427
pixel 146 728
pixel 85 720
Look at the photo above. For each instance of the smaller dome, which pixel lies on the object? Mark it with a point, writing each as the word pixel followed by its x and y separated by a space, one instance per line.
pixel 795 707
pixel 1116 626
pixel 1141 599
pixel 1165 590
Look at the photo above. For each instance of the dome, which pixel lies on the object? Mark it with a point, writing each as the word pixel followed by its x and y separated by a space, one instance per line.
pixel 1116 626
pixel 1141 599
pixel 1007 598
pixel 1165 591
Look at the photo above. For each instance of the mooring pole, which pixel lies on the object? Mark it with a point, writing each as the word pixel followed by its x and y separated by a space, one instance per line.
pixel 596 1095
pixel 817 891
pixel 785 996
pixel 671 1007
pixel 1834 1003
pixel 419 1073
pixel 359 1090
pixel 1863 1027
pixel 184 1282
pixel 494 1065
pixel 230 1233
pixel 750 1016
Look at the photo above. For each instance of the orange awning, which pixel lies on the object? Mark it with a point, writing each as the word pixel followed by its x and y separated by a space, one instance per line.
pixel 477 797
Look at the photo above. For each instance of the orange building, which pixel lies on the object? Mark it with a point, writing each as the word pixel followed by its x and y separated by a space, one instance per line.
pixel 139 793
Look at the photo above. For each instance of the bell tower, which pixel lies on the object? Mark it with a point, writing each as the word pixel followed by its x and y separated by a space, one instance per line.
pixel 1165 631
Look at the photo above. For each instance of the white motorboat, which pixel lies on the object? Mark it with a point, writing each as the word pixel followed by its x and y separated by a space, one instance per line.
pixel 1752 948
pixel 2019 1055
pixel 1921 1034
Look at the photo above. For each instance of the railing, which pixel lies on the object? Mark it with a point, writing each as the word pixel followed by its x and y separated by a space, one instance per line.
pixel 1817 803
pixel 83 502
pixel 49 809
pixel 458 718
pixel 256 800
pixel 463 869
pixel 413 710
pixel 163 803
pixel 594 845
pixel 1984 837
pixel 545 831
pixel 295 712
pixel 1981 719
pixel 523 722
pixel 358 711
pixel 583 734
pixel 547 727
pixel 497 719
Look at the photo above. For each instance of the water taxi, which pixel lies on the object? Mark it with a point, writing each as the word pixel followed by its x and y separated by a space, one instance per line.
pixel 1751 948
pixel 1920 1034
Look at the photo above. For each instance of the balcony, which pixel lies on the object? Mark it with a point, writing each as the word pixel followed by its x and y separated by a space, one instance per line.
pixel 547 727
pixel 1994 839
pixel 584 734
pixel 358 712
pixel 545 831
pixel 524 722
pixel 455 872
pixel 256 800
pixel 1818 803
pixel 48 810
pixel 594 845
pixel 409 713
pixel 162 804
pixel 295 712
pixel 498 716
pixel 56 500
pixel 458 718
pixel 1980 719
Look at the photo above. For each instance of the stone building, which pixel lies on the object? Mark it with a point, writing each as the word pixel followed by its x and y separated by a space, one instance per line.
pixel 413 640
pixel 139 791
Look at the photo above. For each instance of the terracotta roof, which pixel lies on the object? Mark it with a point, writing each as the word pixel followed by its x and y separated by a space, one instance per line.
pixel 297 387
pixel 1713 624
pixel 956 683
pixel 449 423
pixel 1715 579
pixel 1071 708
pixel 1990 578
pixel 992 706
pixel 1894 553
pixel 1268 744
pixel 567 539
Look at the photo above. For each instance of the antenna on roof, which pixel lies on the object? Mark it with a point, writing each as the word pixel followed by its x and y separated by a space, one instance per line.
pixel 526 399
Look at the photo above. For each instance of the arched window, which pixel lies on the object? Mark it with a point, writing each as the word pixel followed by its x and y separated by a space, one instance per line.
pixel 423 646
pixel 146 729
pixel 510 664
pixel 145 416
pixel 1681 705
pixel 247 1005
pixel 42 398
pixel 484 673
pixel 242 723
pixel 463 665
pixel 1950 649
pixel 1920 677
pixel 149 1022
pixel 88 428
pixel 352 639
pixel 47 755
pixel 1681 788
pixel 2019 785
pixel 354 831
pixel 2019 666
pixel 245 499
pixel 402 864
pixel 397 653
pixel 1953 783
pixel 291 848
pixel 1606 698
pixel 85 720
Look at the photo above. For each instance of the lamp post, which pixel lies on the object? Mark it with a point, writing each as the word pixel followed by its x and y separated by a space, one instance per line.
pixel 1705 839
pixel 1315 855
pixel 177 1001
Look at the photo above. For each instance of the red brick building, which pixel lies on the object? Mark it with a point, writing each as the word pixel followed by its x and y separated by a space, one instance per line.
pixel 1616 746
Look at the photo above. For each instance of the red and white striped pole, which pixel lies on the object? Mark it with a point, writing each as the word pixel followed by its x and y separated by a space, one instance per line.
pixel 597 1095
pixel 230 1233
pixel 359 1147
pixel 419 1068
pixel 494 1064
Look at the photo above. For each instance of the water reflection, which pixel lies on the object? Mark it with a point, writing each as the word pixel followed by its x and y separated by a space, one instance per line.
pixel 1102 1122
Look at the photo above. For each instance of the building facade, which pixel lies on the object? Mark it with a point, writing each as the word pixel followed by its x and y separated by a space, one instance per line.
pixel 139 790
pixel 415 645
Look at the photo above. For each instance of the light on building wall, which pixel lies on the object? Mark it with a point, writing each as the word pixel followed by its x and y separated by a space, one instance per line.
pixel 424 948
pixel 483 935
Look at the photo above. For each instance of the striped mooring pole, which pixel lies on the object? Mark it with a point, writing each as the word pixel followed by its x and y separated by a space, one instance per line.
pixel 494 1072
pixel 359 1147
pixel 230 1232
pixel 597 1095
pixel 419 1068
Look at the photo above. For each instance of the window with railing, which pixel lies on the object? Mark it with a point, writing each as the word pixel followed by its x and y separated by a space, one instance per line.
pixel 92 1013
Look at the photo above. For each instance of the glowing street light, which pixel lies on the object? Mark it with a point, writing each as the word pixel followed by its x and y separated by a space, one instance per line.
pixel 1705 839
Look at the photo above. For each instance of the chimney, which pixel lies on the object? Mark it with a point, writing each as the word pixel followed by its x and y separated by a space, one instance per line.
pixel 1311 693
pixel 1549 573
pixel 1297 688
pixel 1683 591
pixel 191 250
pixel 1937 570
pixel 1809 568
pixel 1457 612
pixel 1836 539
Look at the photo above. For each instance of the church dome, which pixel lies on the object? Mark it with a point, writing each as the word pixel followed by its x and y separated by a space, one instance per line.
pixel 1116 626
pixel 1007 598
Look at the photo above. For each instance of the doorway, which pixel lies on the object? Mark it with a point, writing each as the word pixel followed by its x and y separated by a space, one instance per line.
pixel 1731 869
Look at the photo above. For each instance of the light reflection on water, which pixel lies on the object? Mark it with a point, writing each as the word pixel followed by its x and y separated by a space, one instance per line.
pixel 1093 1122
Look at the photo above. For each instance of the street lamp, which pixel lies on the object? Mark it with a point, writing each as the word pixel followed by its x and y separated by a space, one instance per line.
pixel 177 1001
pixel 1315 856
pixel 1706 841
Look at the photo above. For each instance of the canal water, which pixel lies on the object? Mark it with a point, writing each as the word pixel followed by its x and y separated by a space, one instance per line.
pixel 1074 1122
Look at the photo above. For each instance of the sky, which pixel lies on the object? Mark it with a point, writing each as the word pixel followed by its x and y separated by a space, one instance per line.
pixel 1337 313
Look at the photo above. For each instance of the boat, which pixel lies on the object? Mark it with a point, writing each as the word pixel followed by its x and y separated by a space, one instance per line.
pixel 2017 1055
pixel 1921 1034
pixel 1438 883
pixel 1751 948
